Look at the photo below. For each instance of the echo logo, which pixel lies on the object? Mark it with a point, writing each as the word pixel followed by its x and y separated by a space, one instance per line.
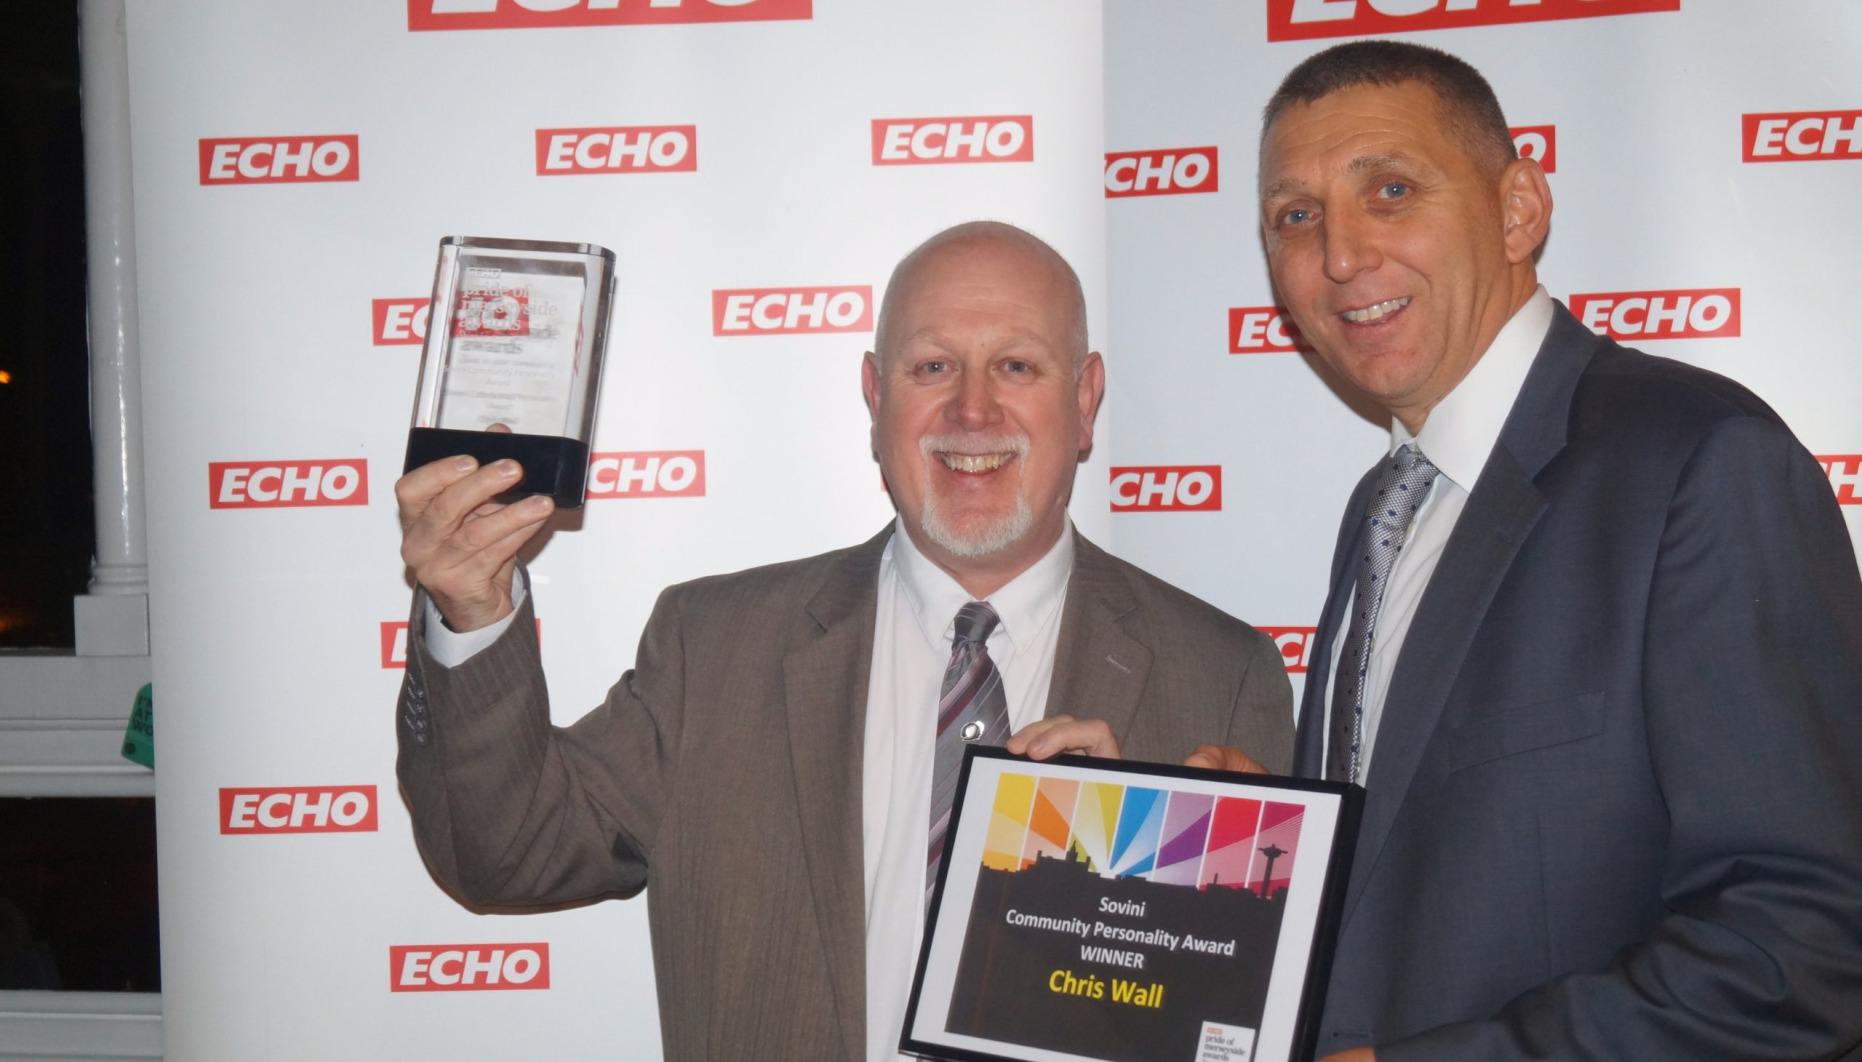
pixel 623 149
pixel 1169 171
pixel 1845 472
pixel 1803 136
pixel 279 160
pixel 277 484
pixel 647 474
pixel 1261 330
pixel 535 14
pixel 926 141
pixel 780 311
pixel 1298 20
pixel 1704 313
pixel 1539 143
pixel 1172 489
pixel 304 809
pixel 399 322
pixel 1295 645
pixel 468 967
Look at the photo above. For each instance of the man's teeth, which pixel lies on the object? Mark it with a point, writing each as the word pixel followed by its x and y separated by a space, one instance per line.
pixel 974 462
pixel 1372 313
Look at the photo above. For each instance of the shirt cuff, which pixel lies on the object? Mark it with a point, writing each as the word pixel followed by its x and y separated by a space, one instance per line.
pixel 449 648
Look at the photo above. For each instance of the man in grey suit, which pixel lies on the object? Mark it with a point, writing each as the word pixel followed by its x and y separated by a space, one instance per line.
pixel 767 765
pixel 1594 638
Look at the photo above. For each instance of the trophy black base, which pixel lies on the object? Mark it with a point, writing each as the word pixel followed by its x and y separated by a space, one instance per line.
pixel 553 465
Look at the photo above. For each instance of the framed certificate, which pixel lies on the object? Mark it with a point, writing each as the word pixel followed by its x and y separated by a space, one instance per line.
pixel 1100 909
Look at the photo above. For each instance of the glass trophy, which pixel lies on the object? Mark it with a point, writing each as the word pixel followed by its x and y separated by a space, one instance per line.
pixel 512 362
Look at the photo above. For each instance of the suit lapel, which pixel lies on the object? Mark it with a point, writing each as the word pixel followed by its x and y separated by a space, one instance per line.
pixel 1099 669
pixel 825 686
pixel 1500 513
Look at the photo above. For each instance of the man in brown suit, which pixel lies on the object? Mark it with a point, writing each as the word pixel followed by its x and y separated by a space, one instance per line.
pixel 765 765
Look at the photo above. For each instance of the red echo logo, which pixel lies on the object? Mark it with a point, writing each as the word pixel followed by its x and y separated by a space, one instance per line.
pixel 1174 489
pixel 1845 472
pixel 1803 136
pixel 302 809
pixel 1295 645
pixel 262 485
pixel 468 967
pixel 778 311
pixel 1298 20
pixel 533 14
pixel 1261 330
pixel 629 149
pixel 1706 313
pixel 647 474
pixel 923 141
pixel 279 160
pixel 399 322
pixel 1537 142
pixel 1171 171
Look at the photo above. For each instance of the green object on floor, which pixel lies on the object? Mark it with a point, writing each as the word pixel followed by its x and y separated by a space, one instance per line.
pixel 139 739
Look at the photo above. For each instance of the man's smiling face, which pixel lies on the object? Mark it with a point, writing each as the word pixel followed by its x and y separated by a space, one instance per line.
pixel 1387 241
pixel 982 402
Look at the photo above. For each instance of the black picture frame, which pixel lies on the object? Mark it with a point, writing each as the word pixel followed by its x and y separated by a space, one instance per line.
pixel 974 1030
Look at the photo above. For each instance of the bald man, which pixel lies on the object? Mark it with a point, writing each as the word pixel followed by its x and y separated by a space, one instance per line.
pixel 768 764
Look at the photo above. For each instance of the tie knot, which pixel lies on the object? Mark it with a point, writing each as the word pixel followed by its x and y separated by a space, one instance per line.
pixel 974 622
pixel 1409 459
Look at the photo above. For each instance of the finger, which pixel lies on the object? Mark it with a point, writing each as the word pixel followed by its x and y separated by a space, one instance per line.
pixel 478 548
pixel 1223 758
pixel 500 428
pixel 446 511
pixel 415 490
pixel 1089 737
pixel 1018 741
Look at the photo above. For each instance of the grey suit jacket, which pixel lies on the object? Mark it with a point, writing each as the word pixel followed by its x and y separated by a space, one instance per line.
pixel 1616 807
pixel 724 770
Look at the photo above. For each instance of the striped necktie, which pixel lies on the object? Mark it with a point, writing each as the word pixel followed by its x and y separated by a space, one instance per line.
pixel 970 708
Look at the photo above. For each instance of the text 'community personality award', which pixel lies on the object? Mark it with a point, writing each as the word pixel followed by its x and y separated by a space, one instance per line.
pixel 512 363
pixel 1125 912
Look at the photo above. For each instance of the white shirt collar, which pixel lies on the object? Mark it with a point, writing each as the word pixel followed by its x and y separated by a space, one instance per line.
pixel 1025 604
pixel 1464 426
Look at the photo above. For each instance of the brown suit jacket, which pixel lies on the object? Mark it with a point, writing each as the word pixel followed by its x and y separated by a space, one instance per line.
pixel 725 771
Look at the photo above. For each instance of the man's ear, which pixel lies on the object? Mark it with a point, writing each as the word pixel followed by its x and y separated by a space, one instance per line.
pixel 1091 390
pixel 1526 208
pixel 869 386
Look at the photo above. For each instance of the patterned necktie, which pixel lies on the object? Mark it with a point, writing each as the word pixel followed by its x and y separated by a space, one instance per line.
pixel 970 708
pixel 1400 491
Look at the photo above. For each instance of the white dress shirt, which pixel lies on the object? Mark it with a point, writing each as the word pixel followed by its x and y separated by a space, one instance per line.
pixel 918 603
pixel 912 632
pixel 1457 437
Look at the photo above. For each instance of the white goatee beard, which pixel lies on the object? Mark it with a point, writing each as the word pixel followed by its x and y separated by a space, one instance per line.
pixel 994 536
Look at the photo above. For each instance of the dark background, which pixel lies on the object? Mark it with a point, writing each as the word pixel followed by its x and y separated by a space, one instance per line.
pixel 77 876
pixel 46 526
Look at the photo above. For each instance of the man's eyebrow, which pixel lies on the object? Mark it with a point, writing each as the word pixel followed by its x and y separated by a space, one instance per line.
pixel 1357 167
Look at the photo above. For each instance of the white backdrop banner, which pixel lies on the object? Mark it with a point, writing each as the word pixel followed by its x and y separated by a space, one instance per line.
pixel 758 166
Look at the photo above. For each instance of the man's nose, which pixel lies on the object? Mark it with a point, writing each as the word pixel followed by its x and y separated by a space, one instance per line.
pixel 1350 246
pixel 974 407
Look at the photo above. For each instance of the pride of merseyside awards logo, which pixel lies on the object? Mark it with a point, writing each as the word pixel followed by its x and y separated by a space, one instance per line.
pixel 1120 921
